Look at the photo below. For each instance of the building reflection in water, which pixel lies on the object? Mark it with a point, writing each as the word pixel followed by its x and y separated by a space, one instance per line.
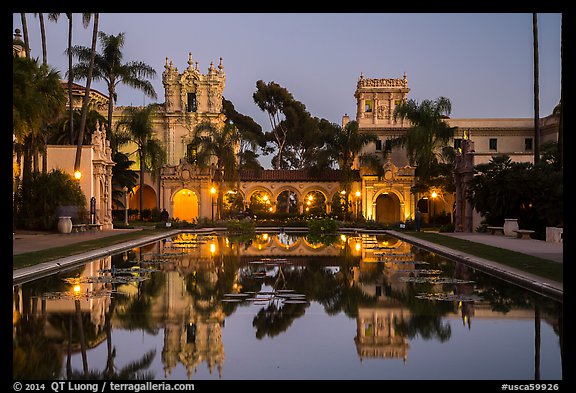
pixel 195 272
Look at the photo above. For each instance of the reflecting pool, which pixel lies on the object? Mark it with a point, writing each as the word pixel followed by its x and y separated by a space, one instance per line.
pixel 282 306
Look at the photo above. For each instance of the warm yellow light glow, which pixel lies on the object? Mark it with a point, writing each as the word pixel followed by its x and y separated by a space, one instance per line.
pixel 77 175
pixel 307 208
pixel 358 246
pixel 212 190
pixel 270 209
pixel 265 197
pixel 343 192
pixel 358 194
pixel 310 198
pixel 343 238
pixel 212 248
pixel 76 288
pixel 265 236
pixel 434 195
pixel 308 203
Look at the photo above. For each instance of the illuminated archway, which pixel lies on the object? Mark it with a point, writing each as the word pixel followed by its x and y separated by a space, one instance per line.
pixel 314 203
pixel 148 201
pixel 287 202
pixel 185 205
pixel 388 208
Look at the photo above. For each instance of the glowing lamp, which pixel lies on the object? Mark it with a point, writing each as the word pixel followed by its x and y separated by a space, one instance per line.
pixel 77 175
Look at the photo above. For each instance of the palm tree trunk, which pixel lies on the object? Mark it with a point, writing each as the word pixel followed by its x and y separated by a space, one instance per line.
pixel 141 181
pixel 70 79
pixel 86 97
pixel 537 339
pixel 43 36
pixel 44 61
pixel 561 123
pixel 82 339
pixel 25 33
pixel 111 94
pixel 536 91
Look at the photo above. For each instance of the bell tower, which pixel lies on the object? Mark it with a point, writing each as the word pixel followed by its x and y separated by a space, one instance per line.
pixel 376 99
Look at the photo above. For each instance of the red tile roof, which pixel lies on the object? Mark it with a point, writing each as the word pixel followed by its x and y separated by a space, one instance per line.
pixel 293 175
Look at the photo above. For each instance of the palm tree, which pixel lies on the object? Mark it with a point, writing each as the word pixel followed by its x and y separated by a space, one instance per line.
pixel 38 100
pixel 137 122
pixel 108 67
pixel 536 91
pixel 25 33
pixel 86 20
pixel 212 143
pixel 428 134
pixel 58 132
pixel 53 17
pixel 346 144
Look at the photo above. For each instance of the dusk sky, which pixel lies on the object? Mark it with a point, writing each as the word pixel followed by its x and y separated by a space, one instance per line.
pixel 482 62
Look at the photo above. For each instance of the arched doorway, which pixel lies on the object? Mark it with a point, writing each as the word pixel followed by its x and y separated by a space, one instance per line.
pixel 314 203
pixel 287 202
pixel 387 208
pixel 148 200
pixel 185 205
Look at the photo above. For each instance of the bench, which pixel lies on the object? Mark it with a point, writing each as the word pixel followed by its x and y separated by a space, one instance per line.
pixel 79 227
pixel 86 227
pixel 496 230
pixel 523 233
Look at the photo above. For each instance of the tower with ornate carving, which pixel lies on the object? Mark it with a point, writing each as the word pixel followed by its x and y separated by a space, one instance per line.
pixel 386 196
pixel 191 98
pixel 376 99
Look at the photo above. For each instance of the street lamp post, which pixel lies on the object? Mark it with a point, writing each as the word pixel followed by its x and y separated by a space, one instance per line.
pixel 212 192
pixel 125 189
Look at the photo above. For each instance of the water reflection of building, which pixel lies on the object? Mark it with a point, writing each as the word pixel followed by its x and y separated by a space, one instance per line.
pixel 63 302
pixel 192 328
pixel 376 336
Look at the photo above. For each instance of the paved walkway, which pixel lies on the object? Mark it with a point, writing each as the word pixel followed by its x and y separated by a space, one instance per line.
pixel 27 241
pixel 30 241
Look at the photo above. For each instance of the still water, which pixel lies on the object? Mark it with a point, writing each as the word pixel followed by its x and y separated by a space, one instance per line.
pixel 282 306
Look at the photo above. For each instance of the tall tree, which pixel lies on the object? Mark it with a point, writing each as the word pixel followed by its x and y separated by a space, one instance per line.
pixel 25 33
pixel 273 99
pixel 42 36
pixel 561 111
pixel 37 100
pixel 251 136
pixel 428 134
pixel 217 145
pixel 108 67
pixel 137 122
pixel 70 80
pixel 346 143
pixel 304 138
pixel 86 21
pixel 536 90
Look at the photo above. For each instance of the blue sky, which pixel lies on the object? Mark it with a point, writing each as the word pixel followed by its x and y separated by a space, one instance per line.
pixel 482 62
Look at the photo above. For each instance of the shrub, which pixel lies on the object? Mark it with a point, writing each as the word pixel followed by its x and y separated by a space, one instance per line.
pixel 38 200
pixel 322 225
